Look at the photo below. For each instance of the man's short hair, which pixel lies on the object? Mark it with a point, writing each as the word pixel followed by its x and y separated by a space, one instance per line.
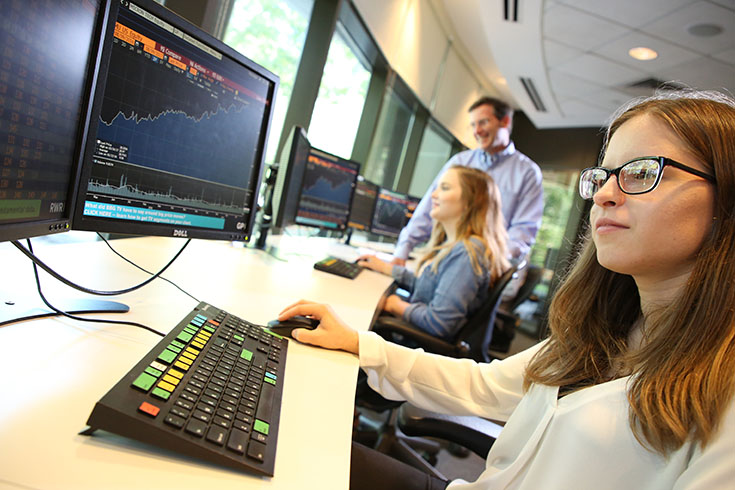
pixel 500 108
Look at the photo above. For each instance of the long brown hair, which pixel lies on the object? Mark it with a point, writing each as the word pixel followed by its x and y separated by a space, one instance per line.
pixel 481 219
pixel 683 374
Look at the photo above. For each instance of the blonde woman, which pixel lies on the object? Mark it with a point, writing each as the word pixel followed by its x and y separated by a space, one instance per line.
pixel 635 386
pixel 467 252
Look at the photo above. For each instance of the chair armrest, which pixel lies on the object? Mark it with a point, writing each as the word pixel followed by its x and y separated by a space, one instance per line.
pixel 475 433
pixel 386 325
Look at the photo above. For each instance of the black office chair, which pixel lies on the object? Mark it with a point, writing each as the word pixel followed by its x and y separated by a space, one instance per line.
pixel 506 318
pixel 472 340
pixel 414 424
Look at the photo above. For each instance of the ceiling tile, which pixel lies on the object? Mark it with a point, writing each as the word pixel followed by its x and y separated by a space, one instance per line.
pixel 567 85
pixel 703 73
pixel 726 3
pixel 583 111
pixel 726 56
pixel 668 54
pixel 595 69
pixel 578 29
pixel 631 13
pixel 556 53
pixel 673 27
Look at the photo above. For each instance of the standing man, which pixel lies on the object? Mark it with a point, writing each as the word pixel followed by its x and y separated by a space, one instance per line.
pixel 517 176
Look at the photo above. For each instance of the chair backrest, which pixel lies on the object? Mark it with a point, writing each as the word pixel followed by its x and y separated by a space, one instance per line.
pixel 478 330
pixel 533 277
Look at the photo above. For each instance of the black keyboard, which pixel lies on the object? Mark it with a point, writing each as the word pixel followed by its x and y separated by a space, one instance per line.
pixel 339 267
pixel 210 389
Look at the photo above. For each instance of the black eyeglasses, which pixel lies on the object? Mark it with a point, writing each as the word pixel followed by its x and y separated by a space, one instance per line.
pixel 637 176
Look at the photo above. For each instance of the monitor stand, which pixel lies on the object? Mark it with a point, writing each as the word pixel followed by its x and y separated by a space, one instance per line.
pixel 21 309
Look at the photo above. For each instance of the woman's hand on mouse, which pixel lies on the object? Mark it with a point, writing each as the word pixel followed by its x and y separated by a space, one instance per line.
pixel 373 263
pixel 332 332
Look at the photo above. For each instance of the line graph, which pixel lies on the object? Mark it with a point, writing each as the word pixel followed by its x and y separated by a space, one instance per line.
pixel 126 182
pixel 176 121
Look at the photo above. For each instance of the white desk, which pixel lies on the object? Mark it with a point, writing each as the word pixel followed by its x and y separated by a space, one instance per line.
pixel 52 371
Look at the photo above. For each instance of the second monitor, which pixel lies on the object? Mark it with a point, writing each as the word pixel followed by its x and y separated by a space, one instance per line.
pixel 392 212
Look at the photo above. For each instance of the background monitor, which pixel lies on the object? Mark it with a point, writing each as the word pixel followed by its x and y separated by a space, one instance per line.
pixel 177 132
pixel 392 212
pixel 363 205
pixel 290 177
pixel 326 191
pixel 47 49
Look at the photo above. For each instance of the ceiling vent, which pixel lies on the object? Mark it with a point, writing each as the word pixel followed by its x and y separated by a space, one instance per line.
pixel 648 86
pixel 533 94
pixel 510 10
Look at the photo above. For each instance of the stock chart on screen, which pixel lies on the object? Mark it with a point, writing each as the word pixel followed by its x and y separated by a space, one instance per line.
pixel 327 189
pixel 178 131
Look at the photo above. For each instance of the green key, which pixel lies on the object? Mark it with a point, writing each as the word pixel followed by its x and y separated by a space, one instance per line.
pixel 246 354
pixel 261 427
pixel 238 337
pixel 270 380
pixel 174 348
pixel 272 333
pixel 184 337
pixel 144 381
pixel 191 330
pixel 160 393
pixel 153 371
pixel 209 328
pixel 167 356
pixel 178 344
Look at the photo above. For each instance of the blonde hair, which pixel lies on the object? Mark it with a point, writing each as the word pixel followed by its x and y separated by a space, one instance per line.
pixel 481 219
pixel 684 371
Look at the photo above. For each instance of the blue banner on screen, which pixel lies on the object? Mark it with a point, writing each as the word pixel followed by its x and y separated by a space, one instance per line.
pixel 115 211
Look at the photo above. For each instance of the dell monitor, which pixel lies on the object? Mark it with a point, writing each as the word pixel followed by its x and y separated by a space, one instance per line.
pixel 363 205
pixel 290 178
pixel 392 212
pixel 177 131
pixel 46 51
pixel 326 191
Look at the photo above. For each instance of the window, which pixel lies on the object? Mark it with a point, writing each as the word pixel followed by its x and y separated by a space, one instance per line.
pixel 341 98
pixel 435 150
pixel 391 137
pixel 560 190
pixel 272 34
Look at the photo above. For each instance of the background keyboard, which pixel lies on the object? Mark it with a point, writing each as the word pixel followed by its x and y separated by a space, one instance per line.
pixel 339 267
pixel 210 389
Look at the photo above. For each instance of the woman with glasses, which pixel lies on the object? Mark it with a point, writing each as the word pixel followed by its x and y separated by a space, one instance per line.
pixel 466 254
pixel 634 388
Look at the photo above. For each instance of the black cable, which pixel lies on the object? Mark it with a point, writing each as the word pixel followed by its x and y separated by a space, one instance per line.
pixel 144 270
pixel 62 279
pixel 79 318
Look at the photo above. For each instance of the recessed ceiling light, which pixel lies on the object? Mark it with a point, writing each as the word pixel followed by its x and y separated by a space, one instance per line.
pixel 643 54
pixel 704 30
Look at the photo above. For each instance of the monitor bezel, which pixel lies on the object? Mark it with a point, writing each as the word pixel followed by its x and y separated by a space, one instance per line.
pixel 87 223
pixel 43 227
pixel 341 228
pixel 288 184
pixel 363 180
pixel 378 231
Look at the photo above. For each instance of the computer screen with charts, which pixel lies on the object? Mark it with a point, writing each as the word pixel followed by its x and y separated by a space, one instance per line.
pixel 177 131
pixel 47 49
pixel 326 191
pixel 392 212
pixel 363 205
pixel 290 176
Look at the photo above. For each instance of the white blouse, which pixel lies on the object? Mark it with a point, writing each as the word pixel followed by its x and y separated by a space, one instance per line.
pixel 581 441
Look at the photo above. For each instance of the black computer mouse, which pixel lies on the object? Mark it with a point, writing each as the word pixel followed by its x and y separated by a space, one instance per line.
pixel 285 327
